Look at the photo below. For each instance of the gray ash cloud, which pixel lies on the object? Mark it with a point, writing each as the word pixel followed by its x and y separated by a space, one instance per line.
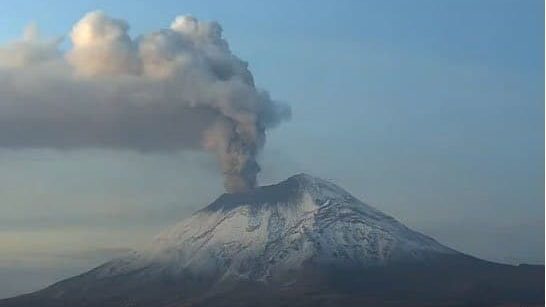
pixel 179 88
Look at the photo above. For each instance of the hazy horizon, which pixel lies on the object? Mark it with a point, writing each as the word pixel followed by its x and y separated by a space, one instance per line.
pixel 430 111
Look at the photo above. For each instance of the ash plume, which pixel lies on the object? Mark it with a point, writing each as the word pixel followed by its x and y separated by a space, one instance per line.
pixel 179 88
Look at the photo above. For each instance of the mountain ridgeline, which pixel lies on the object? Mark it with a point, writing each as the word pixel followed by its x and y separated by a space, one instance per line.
pixel 302 242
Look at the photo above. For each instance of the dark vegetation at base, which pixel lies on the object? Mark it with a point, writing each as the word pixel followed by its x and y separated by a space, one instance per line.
pixel 433 279
pixel 450 281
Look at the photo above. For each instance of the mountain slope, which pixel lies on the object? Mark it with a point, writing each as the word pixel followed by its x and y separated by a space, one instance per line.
pixel 277 229
pixel 302 240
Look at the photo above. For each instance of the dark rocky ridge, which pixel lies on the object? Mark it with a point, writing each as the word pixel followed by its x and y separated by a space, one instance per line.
pixel 283 192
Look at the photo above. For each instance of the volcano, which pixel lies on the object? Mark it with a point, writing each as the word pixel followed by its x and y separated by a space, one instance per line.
pixel 302 242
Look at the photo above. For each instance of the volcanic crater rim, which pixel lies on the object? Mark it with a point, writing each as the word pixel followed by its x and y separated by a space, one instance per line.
pixel 283 192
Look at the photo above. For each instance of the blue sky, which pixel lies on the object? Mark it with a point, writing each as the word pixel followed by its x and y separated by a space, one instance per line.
pixel 432 111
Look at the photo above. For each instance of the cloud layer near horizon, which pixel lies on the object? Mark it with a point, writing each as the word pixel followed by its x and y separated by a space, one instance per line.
pixel 175 89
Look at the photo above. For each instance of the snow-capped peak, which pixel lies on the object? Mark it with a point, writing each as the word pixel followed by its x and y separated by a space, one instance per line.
pixel 286 192
pixel 279 228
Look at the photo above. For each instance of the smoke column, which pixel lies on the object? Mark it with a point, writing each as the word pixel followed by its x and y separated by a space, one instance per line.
pixel 179 88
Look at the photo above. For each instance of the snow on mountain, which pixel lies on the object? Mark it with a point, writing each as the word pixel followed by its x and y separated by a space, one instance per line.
pixel 302 242
pixel 274 230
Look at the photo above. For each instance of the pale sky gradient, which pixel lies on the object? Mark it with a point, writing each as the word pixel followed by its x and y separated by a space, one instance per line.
pixel 431 111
